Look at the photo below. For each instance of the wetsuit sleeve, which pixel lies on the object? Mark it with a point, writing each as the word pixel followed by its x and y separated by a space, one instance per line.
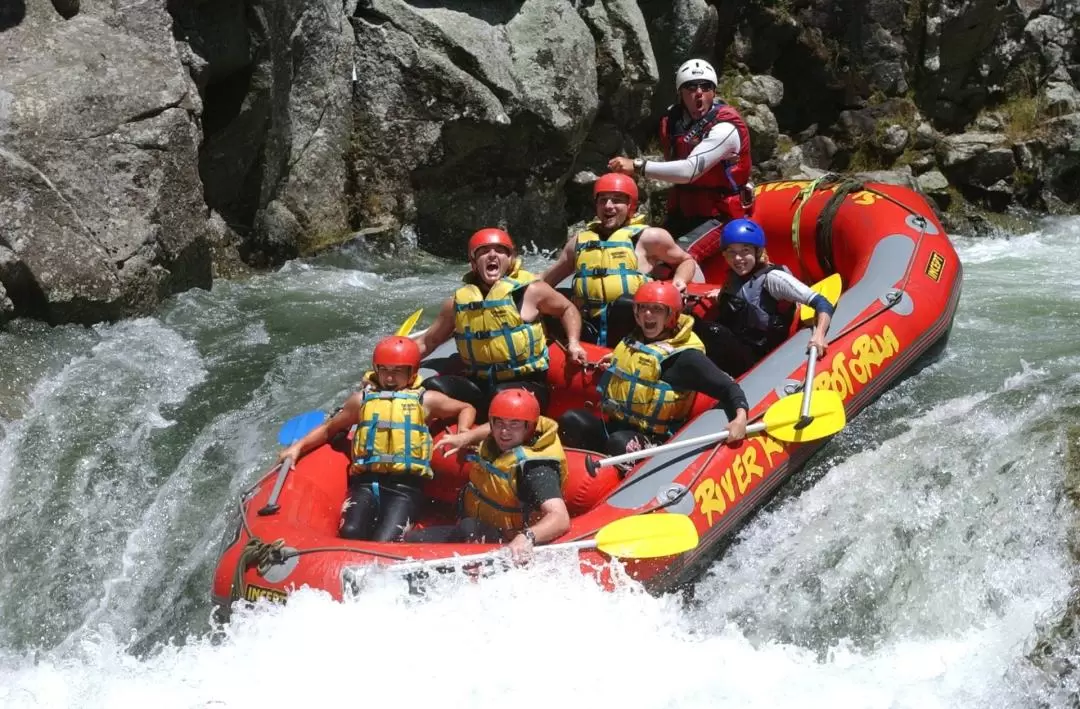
pixel 538 482
pixel 722 143
pixel 693 370
pixel 784 286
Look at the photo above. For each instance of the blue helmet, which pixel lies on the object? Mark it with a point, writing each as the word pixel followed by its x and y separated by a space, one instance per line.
pixel 742 231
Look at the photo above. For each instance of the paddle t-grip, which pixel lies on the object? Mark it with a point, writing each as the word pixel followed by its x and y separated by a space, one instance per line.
pixel 271 506
pixel 591 466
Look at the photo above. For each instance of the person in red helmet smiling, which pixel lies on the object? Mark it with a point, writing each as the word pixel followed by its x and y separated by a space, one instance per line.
pixel 649 381
pixel 516 476
pixel 613 256
pixel 495 320
pixel 391 448
pixel 706 157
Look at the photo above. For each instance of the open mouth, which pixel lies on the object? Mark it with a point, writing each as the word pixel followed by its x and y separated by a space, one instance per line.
pixel 491 268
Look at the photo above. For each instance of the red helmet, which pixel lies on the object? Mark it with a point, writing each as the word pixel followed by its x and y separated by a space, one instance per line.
pixel 662 293
pixel 396 351
pixel 517 404
pixel 489 237
pixel 620 183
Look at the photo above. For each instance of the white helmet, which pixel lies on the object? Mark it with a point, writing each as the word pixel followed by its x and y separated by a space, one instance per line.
pixel 694 70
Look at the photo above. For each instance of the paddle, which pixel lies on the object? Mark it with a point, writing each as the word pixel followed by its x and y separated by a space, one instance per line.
pixel 642 537
pixel 291 431
pixel 808 390
pixel 298 426
pixel 830 287
pixel 781 421
pixel 409 324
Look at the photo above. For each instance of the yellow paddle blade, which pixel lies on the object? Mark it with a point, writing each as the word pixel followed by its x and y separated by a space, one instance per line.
pixel 648 536
pixel 410 322
pixel 829 287
pixel 826 409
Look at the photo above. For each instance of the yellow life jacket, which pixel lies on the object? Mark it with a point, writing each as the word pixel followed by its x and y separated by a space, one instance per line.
pixel 492 339
pixel 631 387
pixel 491 493
pixel 391 436
pixel 606 269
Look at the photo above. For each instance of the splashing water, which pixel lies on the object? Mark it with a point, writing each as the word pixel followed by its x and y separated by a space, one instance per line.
pixel 908 566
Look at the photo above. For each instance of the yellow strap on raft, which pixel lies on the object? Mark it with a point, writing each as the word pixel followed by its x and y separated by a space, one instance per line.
pixel 802 198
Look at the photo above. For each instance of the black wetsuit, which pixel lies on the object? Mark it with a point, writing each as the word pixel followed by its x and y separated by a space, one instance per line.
pixel 380 507
pixel 686 370
pixel 538 482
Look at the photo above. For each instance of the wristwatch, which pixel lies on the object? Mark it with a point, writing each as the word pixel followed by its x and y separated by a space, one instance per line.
pixel 639 165
pixel 530 535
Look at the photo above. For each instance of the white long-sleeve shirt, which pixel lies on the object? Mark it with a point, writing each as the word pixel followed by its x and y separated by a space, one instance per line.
pixel 721 143
pixel 784 286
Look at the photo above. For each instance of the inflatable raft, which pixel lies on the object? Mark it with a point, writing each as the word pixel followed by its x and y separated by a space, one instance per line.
pixel 901 283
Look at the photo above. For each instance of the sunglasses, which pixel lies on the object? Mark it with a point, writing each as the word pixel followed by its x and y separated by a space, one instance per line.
pixel 692 86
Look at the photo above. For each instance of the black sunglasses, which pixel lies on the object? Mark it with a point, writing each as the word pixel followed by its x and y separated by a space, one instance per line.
pixel 695 85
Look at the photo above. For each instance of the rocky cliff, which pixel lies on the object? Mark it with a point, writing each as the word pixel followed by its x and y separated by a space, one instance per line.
pixel 143 145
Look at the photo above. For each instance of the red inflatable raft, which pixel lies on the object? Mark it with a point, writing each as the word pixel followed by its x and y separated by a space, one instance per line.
pixel 901 283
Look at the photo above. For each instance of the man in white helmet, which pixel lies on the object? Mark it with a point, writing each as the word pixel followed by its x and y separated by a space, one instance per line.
pixel 707 158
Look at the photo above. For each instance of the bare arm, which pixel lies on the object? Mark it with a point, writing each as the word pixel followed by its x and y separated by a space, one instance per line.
pixel 440 406
pixel 321 434
pixel 440 330
pixel 554 522
pixel 660 247
pixel 562 267
pixel 456 441
pixel 545 300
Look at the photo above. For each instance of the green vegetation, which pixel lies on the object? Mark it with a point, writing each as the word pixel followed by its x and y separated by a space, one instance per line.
pixel 314 243
pixel 1023 180
pixel 1023 117
pixel 728 82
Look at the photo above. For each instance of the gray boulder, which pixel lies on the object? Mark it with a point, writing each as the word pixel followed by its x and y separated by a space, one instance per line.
pixel 101 208
pixel 763 128
pixel 276 79
pixel 678 30
pixel 761 89
pixel 7 308
pixel 511 93
pixel 1061 168
pixel 933 182
pixel 818 151
pixel 1060 97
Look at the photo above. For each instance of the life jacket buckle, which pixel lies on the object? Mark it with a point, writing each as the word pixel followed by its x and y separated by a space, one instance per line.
pixel 746 196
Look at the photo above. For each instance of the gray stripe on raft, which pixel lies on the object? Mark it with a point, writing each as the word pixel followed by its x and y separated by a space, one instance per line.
pixel 888 264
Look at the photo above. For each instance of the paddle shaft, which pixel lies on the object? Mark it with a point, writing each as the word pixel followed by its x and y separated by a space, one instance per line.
pixel 807 390
pixel 272 506
pixel 674 446
pixel 453 561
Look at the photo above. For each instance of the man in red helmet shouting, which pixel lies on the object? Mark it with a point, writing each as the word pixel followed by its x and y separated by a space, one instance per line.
pixel 495 320
pixel 649 381
pixel 707 158
pixel 613 257
pixel 391 449
pixel 516 476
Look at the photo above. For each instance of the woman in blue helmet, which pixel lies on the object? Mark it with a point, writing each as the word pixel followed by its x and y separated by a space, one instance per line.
pixel 757 303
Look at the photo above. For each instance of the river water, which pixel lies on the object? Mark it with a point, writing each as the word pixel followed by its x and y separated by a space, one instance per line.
pixel 911 565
